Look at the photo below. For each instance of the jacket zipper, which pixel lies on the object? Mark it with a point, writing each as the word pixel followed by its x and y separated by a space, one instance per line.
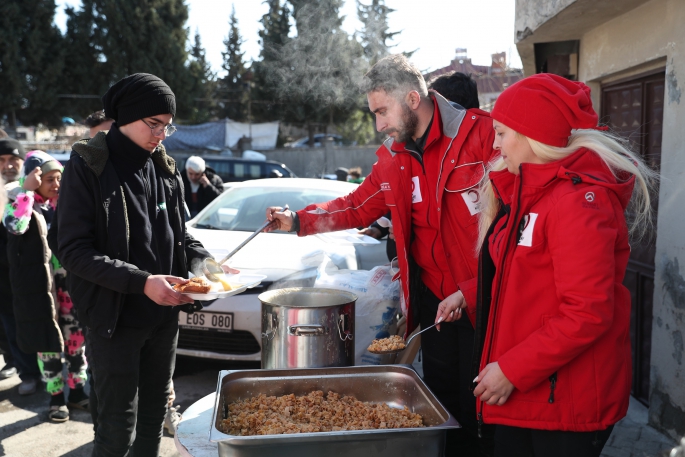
pixel 437 202
pixel 122 297
pixel 146 182
pixel 493 310
pixel 435 262
pixel 442 166
pixel 437 197
pixel 481 327
pixel 552 386
pixel 480 424
pixel 419 158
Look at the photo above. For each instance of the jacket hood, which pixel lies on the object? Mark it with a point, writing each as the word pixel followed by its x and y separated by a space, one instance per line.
pixel 451 116
pixel 95 153
pixel 583 166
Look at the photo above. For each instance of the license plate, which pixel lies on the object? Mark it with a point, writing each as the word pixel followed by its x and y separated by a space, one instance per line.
pixel 204 320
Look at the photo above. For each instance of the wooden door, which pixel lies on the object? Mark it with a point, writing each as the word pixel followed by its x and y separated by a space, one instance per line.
pixel 634 109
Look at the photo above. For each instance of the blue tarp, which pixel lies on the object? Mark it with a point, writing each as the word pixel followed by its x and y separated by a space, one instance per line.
pixel 222 134
pixel 210 135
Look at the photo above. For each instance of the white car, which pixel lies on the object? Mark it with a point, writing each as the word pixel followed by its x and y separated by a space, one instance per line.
pixel 230 328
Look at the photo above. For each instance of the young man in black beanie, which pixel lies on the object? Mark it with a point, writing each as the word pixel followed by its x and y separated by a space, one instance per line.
pixel 121 236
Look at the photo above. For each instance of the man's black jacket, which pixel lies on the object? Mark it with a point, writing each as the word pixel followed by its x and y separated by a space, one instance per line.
pixel 205 194
pixel 93 233
pixel 5 285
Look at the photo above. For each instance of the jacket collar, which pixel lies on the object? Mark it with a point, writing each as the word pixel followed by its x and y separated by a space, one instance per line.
pixel 451 117
pixel 95 153
pixel 123 152
pixel 582 166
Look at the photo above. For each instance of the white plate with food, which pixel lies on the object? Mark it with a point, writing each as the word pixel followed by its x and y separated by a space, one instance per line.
pixel 199 288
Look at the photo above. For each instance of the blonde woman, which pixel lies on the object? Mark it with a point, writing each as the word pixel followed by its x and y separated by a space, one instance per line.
pixel 552 335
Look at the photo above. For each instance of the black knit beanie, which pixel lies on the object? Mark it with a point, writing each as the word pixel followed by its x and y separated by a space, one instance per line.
pixel 12 147
pixel 138 96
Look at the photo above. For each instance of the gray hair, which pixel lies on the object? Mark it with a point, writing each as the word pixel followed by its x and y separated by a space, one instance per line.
pixel 195 163
pixel 396 76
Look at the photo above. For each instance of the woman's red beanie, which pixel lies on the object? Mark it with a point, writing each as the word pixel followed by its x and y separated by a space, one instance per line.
pixel 546 107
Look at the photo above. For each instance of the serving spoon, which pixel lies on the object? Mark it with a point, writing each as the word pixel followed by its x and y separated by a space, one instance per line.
pixel 406 345
pixel 212 269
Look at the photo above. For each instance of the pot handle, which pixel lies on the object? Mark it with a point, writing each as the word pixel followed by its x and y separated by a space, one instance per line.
pixel 343 321
pixel 306 330
pixel 271 333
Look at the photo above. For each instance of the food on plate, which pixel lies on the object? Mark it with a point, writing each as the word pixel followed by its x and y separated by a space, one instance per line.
pixel 392 343
pixel 224 282
pixel 194 286
pixel 314 412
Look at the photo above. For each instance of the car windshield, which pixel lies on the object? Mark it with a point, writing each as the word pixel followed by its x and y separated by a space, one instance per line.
pixel 244 208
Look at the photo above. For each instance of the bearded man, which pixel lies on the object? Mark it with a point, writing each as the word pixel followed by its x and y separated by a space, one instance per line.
pixel 427 176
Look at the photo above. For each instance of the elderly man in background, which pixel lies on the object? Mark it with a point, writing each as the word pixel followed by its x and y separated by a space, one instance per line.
pixel 201 183
pixel 12 156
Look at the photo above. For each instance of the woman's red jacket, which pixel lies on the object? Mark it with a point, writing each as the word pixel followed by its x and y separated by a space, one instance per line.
pixel 559 316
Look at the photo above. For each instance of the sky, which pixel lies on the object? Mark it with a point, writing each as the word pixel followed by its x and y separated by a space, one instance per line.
pixel 434 28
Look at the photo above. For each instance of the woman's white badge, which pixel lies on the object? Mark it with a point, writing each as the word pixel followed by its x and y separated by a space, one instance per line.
pixel 527 234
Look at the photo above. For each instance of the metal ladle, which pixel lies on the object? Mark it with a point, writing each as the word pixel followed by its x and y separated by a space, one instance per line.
pixel 406 345
pixel 211 267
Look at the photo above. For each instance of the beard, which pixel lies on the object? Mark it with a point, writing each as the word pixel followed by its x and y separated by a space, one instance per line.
pixel 10 175
pixel 408 125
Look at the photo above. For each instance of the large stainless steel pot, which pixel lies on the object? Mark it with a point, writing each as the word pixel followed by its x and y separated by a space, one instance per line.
pixel 307 328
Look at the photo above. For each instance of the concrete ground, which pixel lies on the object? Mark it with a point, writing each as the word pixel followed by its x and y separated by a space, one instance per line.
pixel 26 432
pixel 632 437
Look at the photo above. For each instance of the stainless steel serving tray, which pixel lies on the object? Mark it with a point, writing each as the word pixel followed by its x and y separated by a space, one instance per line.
pixel 396 385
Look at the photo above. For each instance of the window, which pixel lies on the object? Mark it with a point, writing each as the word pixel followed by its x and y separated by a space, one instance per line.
pixel 244 208
pixel 222 168
pixel 255 170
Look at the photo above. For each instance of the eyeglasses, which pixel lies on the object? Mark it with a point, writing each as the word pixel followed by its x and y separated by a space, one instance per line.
pixel 157 131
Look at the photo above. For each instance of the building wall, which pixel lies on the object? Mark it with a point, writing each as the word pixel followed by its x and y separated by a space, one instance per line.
pixel 548 21
pixel 611 51
pixel 646 37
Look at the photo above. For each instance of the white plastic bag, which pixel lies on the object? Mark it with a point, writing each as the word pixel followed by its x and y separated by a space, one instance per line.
pixel 377 305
